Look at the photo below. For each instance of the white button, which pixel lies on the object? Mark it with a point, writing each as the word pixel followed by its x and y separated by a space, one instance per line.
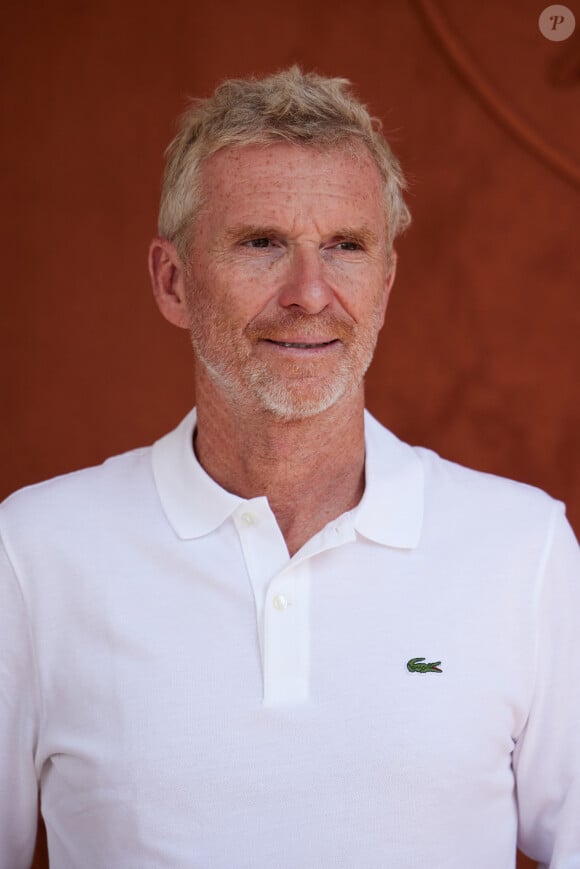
pixel 280 602
pixel 248 518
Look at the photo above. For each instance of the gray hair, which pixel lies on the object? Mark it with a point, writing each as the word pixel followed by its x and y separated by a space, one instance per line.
pixel 289 106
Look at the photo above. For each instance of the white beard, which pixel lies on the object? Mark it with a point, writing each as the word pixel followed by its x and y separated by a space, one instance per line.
pixel 303 392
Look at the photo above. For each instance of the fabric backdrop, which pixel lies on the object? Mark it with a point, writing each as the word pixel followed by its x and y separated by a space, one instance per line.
pixel 480 355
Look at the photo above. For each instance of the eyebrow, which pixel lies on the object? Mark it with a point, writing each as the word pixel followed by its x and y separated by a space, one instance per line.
pixel 250 230
pixel 363 235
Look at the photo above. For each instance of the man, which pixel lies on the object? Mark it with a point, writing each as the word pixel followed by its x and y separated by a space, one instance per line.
pixel 281 637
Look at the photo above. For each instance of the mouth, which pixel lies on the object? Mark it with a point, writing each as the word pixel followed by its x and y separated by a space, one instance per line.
pixel 302 345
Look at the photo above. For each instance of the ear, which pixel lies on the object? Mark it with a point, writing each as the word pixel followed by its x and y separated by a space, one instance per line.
pixel 389 281
pixel 168 281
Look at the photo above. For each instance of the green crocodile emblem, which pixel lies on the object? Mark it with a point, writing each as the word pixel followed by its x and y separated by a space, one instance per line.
pixel 415 665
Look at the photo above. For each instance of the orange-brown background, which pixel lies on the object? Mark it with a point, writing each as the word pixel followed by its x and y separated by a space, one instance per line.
pixel 479 359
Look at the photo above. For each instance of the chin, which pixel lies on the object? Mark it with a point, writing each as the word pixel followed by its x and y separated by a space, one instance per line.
pixel 300 402
pixel 289 399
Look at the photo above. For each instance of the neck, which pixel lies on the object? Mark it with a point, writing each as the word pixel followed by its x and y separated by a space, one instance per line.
pixel 311 470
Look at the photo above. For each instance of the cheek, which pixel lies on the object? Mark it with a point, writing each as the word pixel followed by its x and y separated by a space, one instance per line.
pixel 220 311
pixel 363 297
pixel 243 293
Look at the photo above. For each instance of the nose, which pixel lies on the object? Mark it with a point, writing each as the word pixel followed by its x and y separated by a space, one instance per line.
pixel 305 284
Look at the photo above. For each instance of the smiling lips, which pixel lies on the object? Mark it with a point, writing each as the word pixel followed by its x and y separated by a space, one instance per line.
pixel 301 345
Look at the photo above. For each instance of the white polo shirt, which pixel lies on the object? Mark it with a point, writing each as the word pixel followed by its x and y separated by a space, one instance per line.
pixel 402 693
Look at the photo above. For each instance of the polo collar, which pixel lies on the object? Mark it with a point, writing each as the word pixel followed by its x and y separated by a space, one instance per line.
pixel 193 502
pixel 390 512
pixel 391 509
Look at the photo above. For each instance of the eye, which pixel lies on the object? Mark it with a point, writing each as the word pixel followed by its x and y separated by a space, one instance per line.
pixel 348 245
pixel 258 243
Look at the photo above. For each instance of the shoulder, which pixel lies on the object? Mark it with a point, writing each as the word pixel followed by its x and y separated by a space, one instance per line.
pixel 75 499
pixel 457 500
pixel 454 486
pixel 501 526
pixel 505 525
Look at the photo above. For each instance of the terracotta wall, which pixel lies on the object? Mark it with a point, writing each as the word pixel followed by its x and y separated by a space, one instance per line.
pixel 479 359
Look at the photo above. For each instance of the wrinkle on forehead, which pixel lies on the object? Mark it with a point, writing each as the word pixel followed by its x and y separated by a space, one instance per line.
pixel 309 158
pixel 262 184
pixel 348 146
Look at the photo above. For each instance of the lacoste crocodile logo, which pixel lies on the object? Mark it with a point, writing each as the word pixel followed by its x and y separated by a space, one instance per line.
pixel 415 665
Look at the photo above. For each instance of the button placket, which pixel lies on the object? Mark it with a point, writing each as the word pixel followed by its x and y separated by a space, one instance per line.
pixel 281 594
pixel 287 637
pixel 265 555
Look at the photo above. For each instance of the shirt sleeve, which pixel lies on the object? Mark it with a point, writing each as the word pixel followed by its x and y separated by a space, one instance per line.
pixel 18 726
pixel 547 755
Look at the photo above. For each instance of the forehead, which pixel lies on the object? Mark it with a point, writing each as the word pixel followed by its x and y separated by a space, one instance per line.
pixel 280 178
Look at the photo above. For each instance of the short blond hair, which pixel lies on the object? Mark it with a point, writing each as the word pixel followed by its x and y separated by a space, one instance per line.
pixel 289 106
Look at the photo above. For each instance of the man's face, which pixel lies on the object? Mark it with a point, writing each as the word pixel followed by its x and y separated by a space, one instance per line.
pixel 289 275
